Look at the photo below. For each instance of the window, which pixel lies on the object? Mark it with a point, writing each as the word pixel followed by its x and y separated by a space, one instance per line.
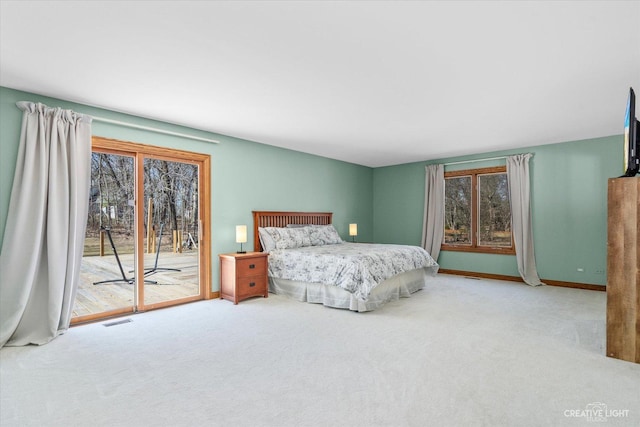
pixel 477 211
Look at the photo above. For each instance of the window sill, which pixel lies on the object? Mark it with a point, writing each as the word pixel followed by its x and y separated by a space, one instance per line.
pixel 483 250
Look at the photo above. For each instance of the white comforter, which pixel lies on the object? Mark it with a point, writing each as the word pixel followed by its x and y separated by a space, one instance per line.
pixel 356 267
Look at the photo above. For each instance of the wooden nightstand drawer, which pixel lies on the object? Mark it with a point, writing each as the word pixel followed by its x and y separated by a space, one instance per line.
pixel 243 276
pixel 251 266
pixel 252 285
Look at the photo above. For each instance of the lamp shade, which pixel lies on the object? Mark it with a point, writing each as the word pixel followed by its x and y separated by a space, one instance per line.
pixel 353 229
pixel 241 234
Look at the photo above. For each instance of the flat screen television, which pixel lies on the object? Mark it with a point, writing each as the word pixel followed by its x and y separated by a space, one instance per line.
pixel 631 137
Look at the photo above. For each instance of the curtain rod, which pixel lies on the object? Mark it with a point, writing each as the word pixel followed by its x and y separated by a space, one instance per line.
pixel 475 160
pixel 152 129
pixel 132 125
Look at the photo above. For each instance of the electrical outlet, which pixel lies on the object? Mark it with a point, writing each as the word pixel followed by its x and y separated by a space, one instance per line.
pixel 580 270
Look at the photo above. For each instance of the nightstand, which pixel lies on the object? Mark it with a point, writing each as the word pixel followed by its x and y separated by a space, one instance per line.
pixel 243 276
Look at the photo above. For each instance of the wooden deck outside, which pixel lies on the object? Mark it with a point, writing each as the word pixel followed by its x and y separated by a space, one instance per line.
pixel 171 285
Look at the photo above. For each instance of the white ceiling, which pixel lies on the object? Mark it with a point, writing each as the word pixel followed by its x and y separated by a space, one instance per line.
pixel 369 82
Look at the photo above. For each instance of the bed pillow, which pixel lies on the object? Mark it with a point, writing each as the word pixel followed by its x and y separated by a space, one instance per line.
pixel 324 235
pixel 266 239
pixel 290 238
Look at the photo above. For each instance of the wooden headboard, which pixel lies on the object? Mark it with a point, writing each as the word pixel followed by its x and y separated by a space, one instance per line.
pixel 282 219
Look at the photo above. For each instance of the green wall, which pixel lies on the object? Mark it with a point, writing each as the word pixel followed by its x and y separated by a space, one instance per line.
pixel 245 175
pixel 569 206
pixel 569 185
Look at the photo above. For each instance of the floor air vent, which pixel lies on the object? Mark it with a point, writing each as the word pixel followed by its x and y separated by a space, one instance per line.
pixel 118 322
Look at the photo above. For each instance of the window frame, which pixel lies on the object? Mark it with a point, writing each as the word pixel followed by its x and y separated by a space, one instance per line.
pixel 475 204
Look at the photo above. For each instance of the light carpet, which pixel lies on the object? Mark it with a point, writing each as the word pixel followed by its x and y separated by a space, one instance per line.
pixel 461 352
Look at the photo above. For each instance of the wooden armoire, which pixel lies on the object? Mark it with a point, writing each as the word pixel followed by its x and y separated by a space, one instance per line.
pixel 623 269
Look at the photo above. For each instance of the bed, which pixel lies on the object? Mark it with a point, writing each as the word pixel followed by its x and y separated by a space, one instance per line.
pixel 308 261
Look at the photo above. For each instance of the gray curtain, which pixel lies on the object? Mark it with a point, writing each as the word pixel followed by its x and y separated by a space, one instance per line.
pixel 433 220
pixel 46 221
pixel 521 224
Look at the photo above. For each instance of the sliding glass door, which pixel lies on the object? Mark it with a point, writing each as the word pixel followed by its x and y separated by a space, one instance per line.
pixel 145 247
pixel 106 282
pixel 171 209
